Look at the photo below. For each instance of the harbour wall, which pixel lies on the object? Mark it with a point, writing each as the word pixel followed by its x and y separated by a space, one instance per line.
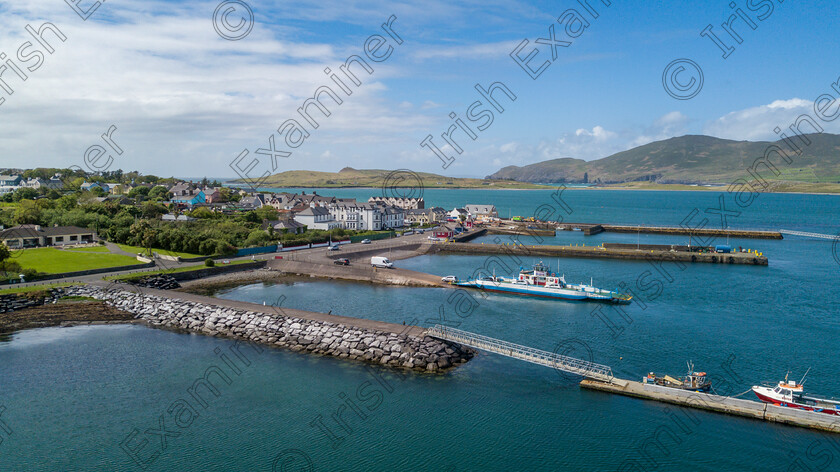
pixel 601 253
pixel 720 404
pixel 359 271
pixel 593 228
pixel 389 344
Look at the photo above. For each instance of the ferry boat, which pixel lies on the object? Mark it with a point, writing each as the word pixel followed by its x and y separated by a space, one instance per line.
pixel 693 381
pixel 792 395
pixel 541 282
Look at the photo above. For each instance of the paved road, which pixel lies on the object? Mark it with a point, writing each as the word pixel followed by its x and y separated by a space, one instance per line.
pixel 315 255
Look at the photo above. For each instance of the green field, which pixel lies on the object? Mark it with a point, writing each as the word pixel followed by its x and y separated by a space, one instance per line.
pixel 55 261
pixel 136 249
pixel 376 178
pixel 32 288
pixel 140 275
pixel 89 249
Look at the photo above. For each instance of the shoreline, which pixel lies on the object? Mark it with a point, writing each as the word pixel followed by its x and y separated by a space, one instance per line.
pixel 63 313
pixel 553 187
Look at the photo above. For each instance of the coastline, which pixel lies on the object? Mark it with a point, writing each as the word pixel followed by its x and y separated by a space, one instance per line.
pixel 549 187
pixel 63 313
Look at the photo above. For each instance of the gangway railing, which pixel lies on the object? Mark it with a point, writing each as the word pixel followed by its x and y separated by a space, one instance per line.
pixel 809 235
pixel 572 365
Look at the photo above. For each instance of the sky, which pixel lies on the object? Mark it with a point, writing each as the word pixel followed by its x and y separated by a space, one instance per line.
pixel 190 87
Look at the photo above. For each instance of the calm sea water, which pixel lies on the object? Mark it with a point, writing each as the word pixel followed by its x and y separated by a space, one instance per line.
pixel 71 396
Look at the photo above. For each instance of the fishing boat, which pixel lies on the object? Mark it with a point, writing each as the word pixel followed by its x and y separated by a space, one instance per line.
pixel 790 394
pixel 541 282
pixel 693 381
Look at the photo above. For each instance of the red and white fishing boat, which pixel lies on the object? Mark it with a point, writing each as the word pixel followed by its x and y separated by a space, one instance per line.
pixel 792 395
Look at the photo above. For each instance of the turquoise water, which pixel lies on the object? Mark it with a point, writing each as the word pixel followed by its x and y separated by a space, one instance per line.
pixel 72 395
pixel 815 213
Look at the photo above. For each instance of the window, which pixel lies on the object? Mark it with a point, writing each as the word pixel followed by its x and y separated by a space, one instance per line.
pixel 74 238
pixel 59 239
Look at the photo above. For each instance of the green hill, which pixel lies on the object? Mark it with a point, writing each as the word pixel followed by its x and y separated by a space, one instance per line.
pixel 689 160
pixel 349 177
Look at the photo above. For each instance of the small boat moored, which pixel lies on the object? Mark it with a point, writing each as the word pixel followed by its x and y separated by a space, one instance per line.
pixel 790 394
pixel 693 381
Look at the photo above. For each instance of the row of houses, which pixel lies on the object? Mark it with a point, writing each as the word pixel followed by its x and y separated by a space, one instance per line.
pixel 11 182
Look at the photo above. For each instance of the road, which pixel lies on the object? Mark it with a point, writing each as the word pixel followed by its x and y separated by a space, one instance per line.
pixel 356 251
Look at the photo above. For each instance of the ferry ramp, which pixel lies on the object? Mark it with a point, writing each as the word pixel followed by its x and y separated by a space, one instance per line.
pixel 589 370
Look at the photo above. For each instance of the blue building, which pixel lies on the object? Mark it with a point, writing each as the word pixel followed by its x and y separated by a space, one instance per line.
pixel 190 198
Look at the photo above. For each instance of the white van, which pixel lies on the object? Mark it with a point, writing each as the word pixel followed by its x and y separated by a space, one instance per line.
pixel 381 261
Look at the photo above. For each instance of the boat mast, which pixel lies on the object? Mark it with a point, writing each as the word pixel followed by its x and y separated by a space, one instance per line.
pixel 803 377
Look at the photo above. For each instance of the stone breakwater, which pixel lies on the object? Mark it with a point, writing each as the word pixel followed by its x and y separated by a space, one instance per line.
pixel 301 335
pixel 12 302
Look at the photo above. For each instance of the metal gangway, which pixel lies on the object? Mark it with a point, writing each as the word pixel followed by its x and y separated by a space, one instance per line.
pixel 580 367
pixel 809 235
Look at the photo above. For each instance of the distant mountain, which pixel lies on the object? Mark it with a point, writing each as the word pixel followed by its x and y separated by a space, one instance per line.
pixel 689 159
pixel 377 178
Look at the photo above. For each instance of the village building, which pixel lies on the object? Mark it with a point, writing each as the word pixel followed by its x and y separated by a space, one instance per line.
pixel 23 236
pixel 399 202
pixel 482 212
pixel 317 218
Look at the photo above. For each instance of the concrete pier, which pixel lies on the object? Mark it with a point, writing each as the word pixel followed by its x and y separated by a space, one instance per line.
pixel 359 271
pixel 720 404
pixel 593 228
pixel 601 253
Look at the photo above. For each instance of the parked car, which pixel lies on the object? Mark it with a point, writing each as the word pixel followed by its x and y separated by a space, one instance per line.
pixel 421 231
pixel 381 262
pixel 342 261
pixel 366 241
pixel 335 247
pixel 450 279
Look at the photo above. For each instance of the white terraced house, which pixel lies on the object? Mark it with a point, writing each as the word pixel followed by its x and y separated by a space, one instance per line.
pixel 482 211
pixel 357 216
pixel 317 218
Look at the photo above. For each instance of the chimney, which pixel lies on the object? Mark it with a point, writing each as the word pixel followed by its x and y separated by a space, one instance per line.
pixel 37 227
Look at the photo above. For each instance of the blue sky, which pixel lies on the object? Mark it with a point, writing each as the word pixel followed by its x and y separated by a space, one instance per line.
pixel 187 102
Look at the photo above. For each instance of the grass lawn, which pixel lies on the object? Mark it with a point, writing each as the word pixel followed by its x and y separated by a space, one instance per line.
pixel 139 275
pixel 136 249
pixel 55 261
pixel 89 249
pixel 33 288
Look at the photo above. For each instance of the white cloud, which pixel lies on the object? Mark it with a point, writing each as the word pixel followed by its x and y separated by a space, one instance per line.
pixel 598 133
pixel 498 50
pixel 757 123
pixel 509 147
pixel 181 97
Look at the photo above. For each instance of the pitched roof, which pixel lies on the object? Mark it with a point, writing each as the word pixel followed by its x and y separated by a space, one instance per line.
pixel 480 208
pixel 33 231
pixel 314 211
